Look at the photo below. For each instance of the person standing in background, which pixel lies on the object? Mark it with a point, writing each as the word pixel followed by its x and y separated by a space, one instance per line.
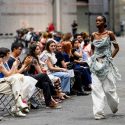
pixel 74 28
pixel 51 28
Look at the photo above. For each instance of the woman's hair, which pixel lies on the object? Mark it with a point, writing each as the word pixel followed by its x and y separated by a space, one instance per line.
pixel 48 44
pixel 67 37
pixel 44 35
pixel 49 35
pixel 104 19
pixel 31 52
pixel 67 47
pixel 73 42
pixel 3 52
pixel 84 35
pixel 32 49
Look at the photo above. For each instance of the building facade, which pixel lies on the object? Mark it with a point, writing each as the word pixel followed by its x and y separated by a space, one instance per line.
pixel 39 13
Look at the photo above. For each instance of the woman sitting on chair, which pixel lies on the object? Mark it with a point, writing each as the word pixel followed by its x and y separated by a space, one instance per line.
pixel 16 84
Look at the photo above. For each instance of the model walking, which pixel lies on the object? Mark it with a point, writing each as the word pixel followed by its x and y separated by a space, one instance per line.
pixel 104 73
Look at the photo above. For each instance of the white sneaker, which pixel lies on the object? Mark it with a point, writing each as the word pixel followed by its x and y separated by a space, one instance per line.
pixel 26 110
pixel 98 117
pixel 17 112
pixel 20 114
pixel 20 103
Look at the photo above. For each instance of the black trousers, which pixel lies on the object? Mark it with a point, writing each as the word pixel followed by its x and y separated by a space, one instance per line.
pixel 78 85
pixel 45 83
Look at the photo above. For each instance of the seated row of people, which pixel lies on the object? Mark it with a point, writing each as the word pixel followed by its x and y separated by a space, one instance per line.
pixel 47 70
pixel 16 84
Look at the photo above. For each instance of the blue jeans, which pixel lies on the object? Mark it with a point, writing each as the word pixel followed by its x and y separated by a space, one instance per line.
pixel 65 80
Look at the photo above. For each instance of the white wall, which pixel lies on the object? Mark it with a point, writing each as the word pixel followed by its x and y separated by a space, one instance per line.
pixel 69 13
pixel 15 14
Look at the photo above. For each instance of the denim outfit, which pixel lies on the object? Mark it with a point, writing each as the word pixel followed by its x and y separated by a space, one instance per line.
pixel 104 75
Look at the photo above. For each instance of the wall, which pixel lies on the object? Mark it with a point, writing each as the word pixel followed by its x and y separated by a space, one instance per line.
pixel 83 18
pixel 98 7
pixel 68 14
pixel 24 13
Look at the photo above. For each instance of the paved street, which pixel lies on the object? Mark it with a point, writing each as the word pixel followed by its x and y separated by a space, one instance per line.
pixel 78 109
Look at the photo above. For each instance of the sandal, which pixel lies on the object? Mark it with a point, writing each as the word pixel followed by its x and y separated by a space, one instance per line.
pixel 53 105
pixel 66 96
pixel 58 100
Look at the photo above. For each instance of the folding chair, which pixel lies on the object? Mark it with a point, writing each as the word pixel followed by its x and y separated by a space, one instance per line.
pixel 37 97
pixel 6 102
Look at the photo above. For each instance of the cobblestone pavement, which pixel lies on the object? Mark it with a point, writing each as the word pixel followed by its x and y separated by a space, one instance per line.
pixel 78 109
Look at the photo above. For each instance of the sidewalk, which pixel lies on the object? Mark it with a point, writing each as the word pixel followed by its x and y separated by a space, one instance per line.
pixel 78 109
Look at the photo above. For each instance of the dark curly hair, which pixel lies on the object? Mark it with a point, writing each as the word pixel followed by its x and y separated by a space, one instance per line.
pixel 104 19
pixel 3 52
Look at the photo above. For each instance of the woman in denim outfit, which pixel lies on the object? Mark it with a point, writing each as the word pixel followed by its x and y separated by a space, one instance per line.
pixel 104 73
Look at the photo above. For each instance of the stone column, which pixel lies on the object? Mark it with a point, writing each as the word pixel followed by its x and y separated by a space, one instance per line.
pixel 116 16
pixel 58 15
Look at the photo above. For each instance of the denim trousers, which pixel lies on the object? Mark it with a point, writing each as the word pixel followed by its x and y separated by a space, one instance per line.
pixel 100 90
pixel 65 80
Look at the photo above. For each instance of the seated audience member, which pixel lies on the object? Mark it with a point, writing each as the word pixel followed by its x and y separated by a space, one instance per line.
pixel 35 52
pixel 68 54
pixel 22 87
pixel 77 53
pixel 86 50
pixel 53 69
pixel 43 80
pixel 61 62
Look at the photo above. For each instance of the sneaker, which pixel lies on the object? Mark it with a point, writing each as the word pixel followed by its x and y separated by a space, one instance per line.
pixel 20 103
pixel 1 118
pixel 115 111
pixel 17 112
pixel 20 114
pixel 99 117
pixel 26 110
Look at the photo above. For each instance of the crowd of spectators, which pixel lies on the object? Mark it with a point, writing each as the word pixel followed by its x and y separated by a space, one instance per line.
pixel 55 62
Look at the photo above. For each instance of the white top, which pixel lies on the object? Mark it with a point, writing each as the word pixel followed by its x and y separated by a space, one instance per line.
pixel 44 57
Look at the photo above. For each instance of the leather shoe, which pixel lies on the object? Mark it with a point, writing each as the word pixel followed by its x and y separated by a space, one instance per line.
pixel 82 94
